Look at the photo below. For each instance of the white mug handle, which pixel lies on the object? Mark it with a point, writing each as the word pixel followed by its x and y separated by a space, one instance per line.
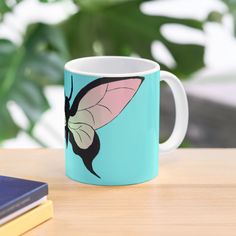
pixel 181 113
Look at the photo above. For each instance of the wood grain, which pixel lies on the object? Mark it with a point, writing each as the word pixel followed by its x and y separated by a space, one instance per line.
pixel 194 194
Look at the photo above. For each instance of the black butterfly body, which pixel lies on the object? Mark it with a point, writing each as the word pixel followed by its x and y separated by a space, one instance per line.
pixel 87 155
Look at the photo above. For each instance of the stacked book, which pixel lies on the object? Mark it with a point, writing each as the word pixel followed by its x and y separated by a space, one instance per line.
pixel 23 205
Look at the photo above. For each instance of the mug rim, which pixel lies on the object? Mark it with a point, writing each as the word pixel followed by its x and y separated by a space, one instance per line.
pixel 154 66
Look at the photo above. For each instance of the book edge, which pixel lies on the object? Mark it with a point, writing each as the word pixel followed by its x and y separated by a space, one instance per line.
pixel 22 210
pixel 34 195
pixel 29 220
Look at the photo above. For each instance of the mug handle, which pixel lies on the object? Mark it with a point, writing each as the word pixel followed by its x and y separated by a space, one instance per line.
pixel 181 113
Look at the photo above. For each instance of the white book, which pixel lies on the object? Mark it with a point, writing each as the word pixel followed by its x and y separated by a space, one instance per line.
pixel 22 210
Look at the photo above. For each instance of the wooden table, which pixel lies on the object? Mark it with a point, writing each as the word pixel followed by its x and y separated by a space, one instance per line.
pixel 194 194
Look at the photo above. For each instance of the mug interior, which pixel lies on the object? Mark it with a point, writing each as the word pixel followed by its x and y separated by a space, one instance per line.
pixel 112 66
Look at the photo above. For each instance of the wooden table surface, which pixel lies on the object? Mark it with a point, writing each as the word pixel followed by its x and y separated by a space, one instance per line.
pixel 194 194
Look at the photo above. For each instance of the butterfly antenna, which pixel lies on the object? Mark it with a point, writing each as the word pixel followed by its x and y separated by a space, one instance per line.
pixel 90 168
pixel 71 89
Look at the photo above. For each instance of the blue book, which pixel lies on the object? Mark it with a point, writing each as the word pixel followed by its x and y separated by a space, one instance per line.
pixel 16 194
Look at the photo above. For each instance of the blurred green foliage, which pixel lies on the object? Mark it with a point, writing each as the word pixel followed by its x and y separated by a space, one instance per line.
pixel 102 27
pixel 232 10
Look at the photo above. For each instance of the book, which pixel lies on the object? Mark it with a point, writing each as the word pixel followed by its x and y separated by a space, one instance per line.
pixel 16 194
pixel 28 221
pixel 22 211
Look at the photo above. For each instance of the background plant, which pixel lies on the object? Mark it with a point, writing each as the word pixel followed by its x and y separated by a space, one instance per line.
pixel 103 27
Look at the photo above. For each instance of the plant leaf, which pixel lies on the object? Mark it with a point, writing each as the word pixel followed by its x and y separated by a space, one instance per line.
pixel 8 128
pixel 122 29
pixel 25 70
pixel 232 10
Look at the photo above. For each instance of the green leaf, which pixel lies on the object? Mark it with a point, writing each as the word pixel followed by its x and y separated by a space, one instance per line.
pixel 90 5
pixel 4 8
pixel 79 34
pixel 26 70
pixel 49 1
pixel 7 6
pixel 122 29
pixel 31 99
pixel 8 128
pixel 189 58
pixel 215 16
pixel 232 10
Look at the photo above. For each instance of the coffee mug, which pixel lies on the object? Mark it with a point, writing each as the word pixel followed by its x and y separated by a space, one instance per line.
pixel 112 117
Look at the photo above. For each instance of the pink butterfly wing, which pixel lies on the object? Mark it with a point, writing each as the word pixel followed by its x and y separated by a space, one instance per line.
pixel 106 101
pixel 93 96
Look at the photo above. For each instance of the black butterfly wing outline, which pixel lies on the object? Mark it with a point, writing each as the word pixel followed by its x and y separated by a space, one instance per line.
pixel 87 155
pixel 97 104
pixel 67 131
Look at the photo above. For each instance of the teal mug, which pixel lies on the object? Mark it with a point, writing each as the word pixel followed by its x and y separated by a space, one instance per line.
pixel 112 116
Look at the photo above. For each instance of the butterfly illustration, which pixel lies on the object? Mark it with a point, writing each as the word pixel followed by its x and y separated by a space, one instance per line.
pixel 95 105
